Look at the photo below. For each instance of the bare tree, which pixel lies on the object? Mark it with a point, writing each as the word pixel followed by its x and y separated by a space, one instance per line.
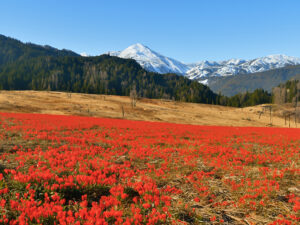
pixel 287 115
pixel 133 96
pixel 69 94
pixel 166 97
pixel 276 95
pixel 279 94
pixel 48 88
pixel 268 107
pixel 123 111
pixel 259 114
pixel 297 96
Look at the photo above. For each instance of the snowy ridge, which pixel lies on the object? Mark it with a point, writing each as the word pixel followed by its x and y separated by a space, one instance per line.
pixel 151 60
pixel 202 71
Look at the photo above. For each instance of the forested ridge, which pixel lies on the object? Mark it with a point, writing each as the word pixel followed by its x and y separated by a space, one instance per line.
pixel 100 75
pixel 12 50
pixel 34 67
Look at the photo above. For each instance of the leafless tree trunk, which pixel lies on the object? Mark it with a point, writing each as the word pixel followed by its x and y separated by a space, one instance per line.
pixel 123 111
pixel 260 113
pixel 133 97
pixel 279 94
pixel 271 115
pixel 270 109
pixel 69 94
pixel 296 101
pixel 284 119
pixel 48 88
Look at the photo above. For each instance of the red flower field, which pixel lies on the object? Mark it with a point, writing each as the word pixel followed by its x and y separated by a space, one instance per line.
pixel 80 170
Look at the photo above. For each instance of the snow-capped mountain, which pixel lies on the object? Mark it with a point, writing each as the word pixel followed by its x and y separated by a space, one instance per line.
pixel 84 54
pixel 151 60
pixel 202 71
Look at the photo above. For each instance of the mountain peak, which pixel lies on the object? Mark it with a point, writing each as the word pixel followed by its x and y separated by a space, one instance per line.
pixel 151 60
pixel 138 46
pixel 137 50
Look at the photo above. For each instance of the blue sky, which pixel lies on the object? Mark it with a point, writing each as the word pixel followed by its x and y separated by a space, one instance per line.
pixel 186 30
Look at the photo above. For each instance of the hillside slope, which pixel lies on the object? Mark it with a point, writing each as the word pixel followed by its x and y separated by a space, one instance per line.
pixel 248 82
pixel 34 67
pixel 146 109
pixel 101 75
pixel 12 50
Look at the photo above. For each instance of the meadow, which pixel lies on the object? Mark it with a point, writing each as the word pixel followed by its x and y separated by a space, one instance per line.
pixel 57 169
pixel 160 110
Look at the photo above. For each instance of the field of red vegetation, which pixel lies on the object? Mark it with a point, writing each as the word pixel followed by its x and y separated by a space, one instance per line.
pixel 80 170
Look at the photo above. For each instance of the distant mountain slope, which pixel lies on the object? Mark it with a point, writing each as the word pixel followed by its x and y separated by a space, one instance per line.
pixel 249 82
pixel 151 60
pixel 34 67
pixel 297 77
pixel 12 50
pixel 204 70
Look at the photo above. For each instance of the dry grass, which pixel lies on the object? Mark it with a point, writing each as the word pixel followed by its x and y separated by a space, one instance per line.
pixel 146 109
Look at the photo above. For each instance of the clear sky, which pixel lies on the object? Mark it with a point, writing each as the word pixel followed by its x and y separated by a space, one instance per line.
pixel 187 30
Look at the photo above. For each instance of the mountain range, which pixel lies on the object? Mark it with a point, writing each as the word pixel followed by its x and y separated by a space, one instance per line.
pixel 205 70
pixel 27 66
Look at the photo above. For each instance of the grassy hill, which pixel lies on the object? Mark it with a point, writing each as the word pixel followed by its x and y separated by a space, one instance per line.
pixel 114 106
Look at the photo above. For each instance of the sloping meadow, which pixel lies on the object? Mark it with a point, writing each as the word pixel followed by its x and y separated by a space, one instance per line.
pixel 81 170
